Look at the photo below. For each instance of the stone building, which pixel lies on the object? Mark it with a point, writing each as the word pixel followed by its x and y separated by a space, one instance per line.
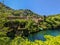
pixel 34 18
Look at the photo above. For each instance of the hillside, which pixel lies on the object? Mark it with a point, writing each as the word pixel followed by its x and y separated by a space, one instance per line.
pixel 29 26
pixel 7 11
pixel 51 22
pixel 10 11
pixel 24 27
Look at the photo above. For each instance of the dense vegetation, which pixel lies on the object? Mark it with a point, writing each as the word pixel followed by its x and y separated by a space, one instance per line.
pixel 50 22
pixel 50 40
pixel 6 11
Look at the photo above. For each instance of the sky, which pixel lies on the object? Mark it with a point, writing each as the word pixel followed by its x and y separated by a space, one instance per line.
pixel 42 7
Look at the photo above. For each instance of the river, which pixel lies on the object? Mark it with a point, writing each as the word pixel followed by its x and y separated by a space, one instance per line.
pixel 40 35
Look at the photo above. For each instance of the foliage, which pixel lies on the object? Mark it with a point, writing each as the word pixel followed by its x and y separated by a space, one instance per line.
pixel 51 22
pixel 4 41
pixel 50 40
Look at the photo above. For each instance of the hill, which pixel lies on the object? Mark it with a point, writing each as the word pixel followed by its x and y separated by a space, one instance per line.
pixel 49 22
pixel 10 11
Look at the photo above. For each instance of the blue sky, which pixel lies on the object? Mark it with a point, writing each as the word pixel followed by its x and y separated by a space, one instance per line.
pixel 43 7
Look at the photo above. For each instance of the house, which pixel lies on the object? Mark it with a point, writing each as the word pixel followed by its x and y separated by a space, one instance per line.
pixel 34 18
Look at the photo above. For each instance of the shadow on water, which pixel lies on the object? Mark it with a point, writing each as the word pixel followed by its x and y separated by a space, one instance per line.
pixel 40 35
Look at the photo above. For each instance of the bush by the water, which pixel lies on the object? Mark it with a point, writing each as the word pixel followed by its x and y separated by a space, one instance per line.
pixel 50 40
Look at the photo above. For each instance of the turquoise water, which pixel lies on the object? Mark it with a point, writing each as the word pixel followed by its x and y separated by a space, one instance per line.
pixel 40 35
